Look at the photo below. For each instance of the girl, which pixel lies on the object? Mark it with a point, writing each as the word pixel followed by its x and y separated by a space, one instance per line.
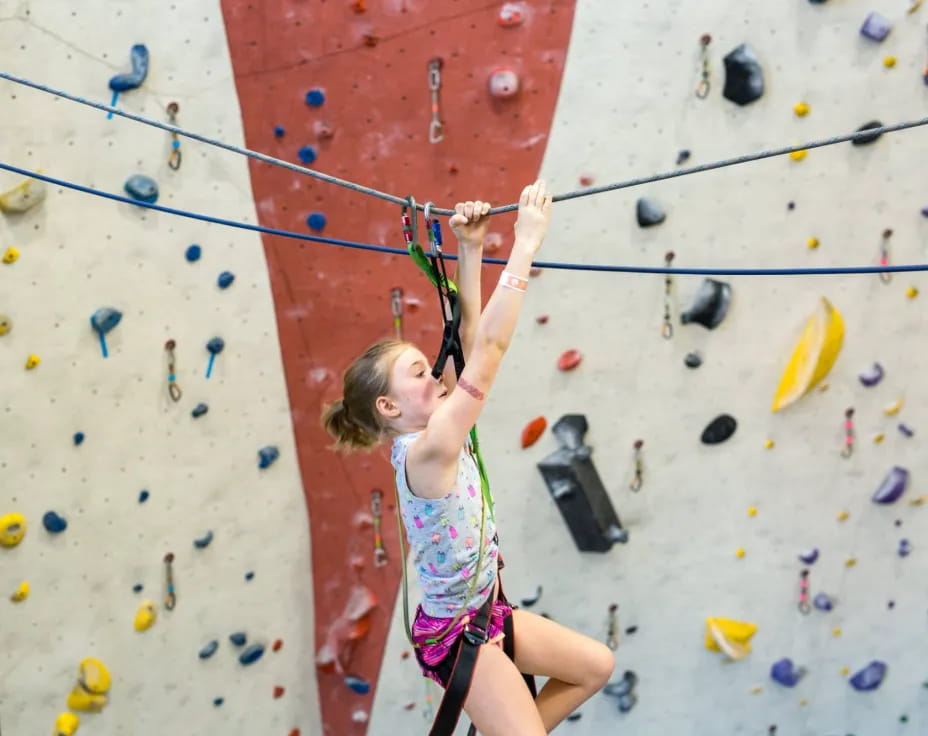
pixel 389 393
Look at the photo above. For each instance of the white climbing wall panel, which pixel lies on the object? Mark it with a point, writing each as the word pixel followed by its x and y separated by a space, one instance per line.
pixel 626 108
pixel 79 253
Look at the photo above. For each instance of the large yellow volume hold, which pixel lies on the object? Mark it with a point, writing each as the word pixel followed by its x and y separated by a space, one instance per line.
pixel 89 694
pixel 24 196
pixel 728 636
pixel 814 355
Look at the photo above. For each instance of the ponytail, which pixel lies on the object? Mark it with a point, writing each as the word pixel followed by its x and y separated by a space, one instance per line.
pixel 348 435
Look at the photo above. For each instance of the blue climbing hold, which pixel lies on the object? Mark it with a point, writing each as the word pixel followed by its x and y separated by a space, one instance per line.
pixel 315 97
pixel 142 188
pixel 225 279
pixel 216 345
pixel 143 496
pixel 203 542
pixel 54 523
pixel 870 677
pixel 316 221
pixel 249 575
pixel 279 131
pixel 138 56
pixel 218 701
pixel 359 685
pixel 209 650
pixel 78 438
pixel 193 253
pixel 238 638
pixel 199 410
pixel 307 154
pixel 786 673
pixel 251 654
pixel 137 588
pixel 105 319
pixel 267 455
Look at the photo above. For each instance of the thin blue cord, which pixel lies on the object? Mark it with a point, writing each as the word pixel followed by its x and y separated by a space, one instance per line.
pixel 451 256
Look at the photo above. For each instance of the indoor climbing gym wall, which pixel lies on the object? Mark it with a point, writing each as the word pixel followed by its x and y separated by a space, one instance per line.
pixel 714 471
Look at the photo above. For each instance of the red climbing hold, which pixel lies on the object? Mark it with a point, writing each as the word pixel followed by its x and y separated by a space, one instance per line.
pixel 586 181
pixel 535 271
pixel 359 6
pixel 511 14
pixel 569 360
pixel 277 645
pixel 295 732
pixel 278 691
pixel 533 431
pixel 542 319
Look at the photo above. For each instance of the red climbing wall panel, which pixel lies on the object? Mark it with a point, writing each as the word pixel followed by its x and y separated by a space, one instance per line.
pixel 370 60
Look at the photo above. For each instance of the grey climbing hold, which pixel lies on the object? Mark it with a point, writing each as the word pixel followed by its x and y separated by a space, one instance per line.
pixel 138 56
pixel 863 140
pixel 624 690
pixel 142 188
pixel 786 673
pixel 876 27
pixel 267 455
pixel 710 305
pixel 203 542
pixel 872 375
pixel 54 523
pixel 892 487
pixel 870 677
pixel 238 638
pixel 199 410
pixel 649 212
pixel 693 360
pixel 719 430
pixel 744 77
pixel 251 654
pixel 209 650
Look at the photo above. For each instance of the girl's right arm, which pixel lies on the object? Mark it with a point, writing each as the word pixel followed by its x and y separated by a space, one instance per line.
pixel 440 444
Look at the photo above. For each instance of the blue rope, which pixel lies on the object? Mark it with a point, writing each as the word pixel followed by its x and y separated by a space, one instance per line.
pixel 451 256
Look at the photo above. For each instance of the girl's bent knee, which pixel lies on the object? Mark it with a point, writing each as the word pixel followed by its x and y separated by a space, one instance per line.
pixel 600 667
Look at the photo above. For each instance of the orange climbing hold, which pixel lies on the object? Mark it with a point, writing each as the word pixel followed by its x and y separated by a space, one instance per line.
pixel 532 431
pixel 277 645
pixel 569 360
pixel 278 691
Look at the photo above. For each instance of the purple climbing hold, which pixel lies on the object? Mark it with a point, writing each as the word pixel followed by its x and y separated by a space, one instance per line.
pixel 904 548
pixel 893 486
pixel 307 154
pixel 906 430
pixel 810 556
pixel 876 27
pixel 870 677
pixel 786 673
pixel 358 684
pixel 925 209
pixel 872 375
pixel 823 602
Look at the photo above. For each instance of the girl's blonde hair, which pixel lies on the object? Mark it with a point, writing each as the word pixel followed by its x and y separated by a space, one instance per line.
pixel 353 420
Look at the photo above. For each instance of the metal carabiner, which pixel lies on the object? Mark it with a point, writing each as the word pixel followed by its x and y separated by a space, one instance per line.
pixel 436 132
pixel 435 74
pixel 410 222
pixel 433 228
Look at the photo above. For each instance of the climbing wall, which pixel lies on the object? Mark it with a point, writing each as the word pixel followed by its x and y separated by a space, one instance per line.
pixel 98 443
pixel 716 530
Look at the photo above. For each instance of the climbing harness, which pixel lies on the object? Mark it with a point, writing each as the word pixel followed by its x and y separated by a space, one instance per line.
pixel 612 627
pixel 635 485
pixel 173 388
pixel 476 629
pixel 848 433
pixel 884 255
pixel 175 158
pixel 396 306
pixel 170 598
pixel 667 330
pixel 702 89
pixel 436 128
pixel 804 607
pixel 380 554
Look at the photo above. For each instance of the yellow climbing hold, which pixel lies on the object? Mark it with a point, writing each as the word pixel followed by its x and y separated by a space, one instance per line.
pixel 757 690
pixel 739 552
pixel 893 408
pixel 911 292
pixel 836 632
pixel 752 511
pixel 850 562
pixel 889 61
pixel 845 671
pixel 878 438
pixel 23 196
pixel 66 724
pixel 801 109
pixel 798 155
pixel 812 243
pixel 22 592
pixel 728 636
pixel 10 255
pixel 145 616
pixel 843 515
pixel 32 361
pixel 920 501
pixel 813 356
pixel 89 694
pixel 12 529
pixel 769 444
pixel 803 701
pixel 6 324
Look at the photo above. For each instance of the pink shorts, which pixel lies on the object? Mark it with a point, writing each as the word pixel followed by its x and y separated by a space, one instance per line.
pixel 437 660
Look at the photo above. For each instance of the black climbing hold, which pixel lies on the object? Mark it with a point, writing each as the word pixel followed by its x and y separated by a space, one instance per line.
pixel 786 673
pixel 249 575
pixel 710 305
pixel 193 253
pixel 307 154
pixel 870 677
pixel 891 605
pixel 209 650
pixel 576 716
pixel 529 602
pixel 693 360
pixel 238 638
pixel 143 496
pixel 138 57
pixel 631 630
pixel 791 205
pixel 358 684
pixel 137 588
pixel 719 430
pixel 744 78
pixel 865 139
pixel 683 157
pixel 225 279
pixel 203 542
pixel 649 212
pixel 142 188
pixel 267 455
pixel 199 410
pixel 251 654
pixel 54 523
pixel 78 438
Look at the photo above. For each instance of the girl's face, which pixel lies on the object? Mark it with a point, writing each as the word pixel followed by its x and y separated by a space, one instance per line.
pixel 414 393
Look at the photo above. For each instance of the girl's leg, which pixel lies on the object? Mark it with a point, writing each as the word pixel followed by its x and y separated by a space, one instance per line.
pixel 499 703
pixel 578 666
